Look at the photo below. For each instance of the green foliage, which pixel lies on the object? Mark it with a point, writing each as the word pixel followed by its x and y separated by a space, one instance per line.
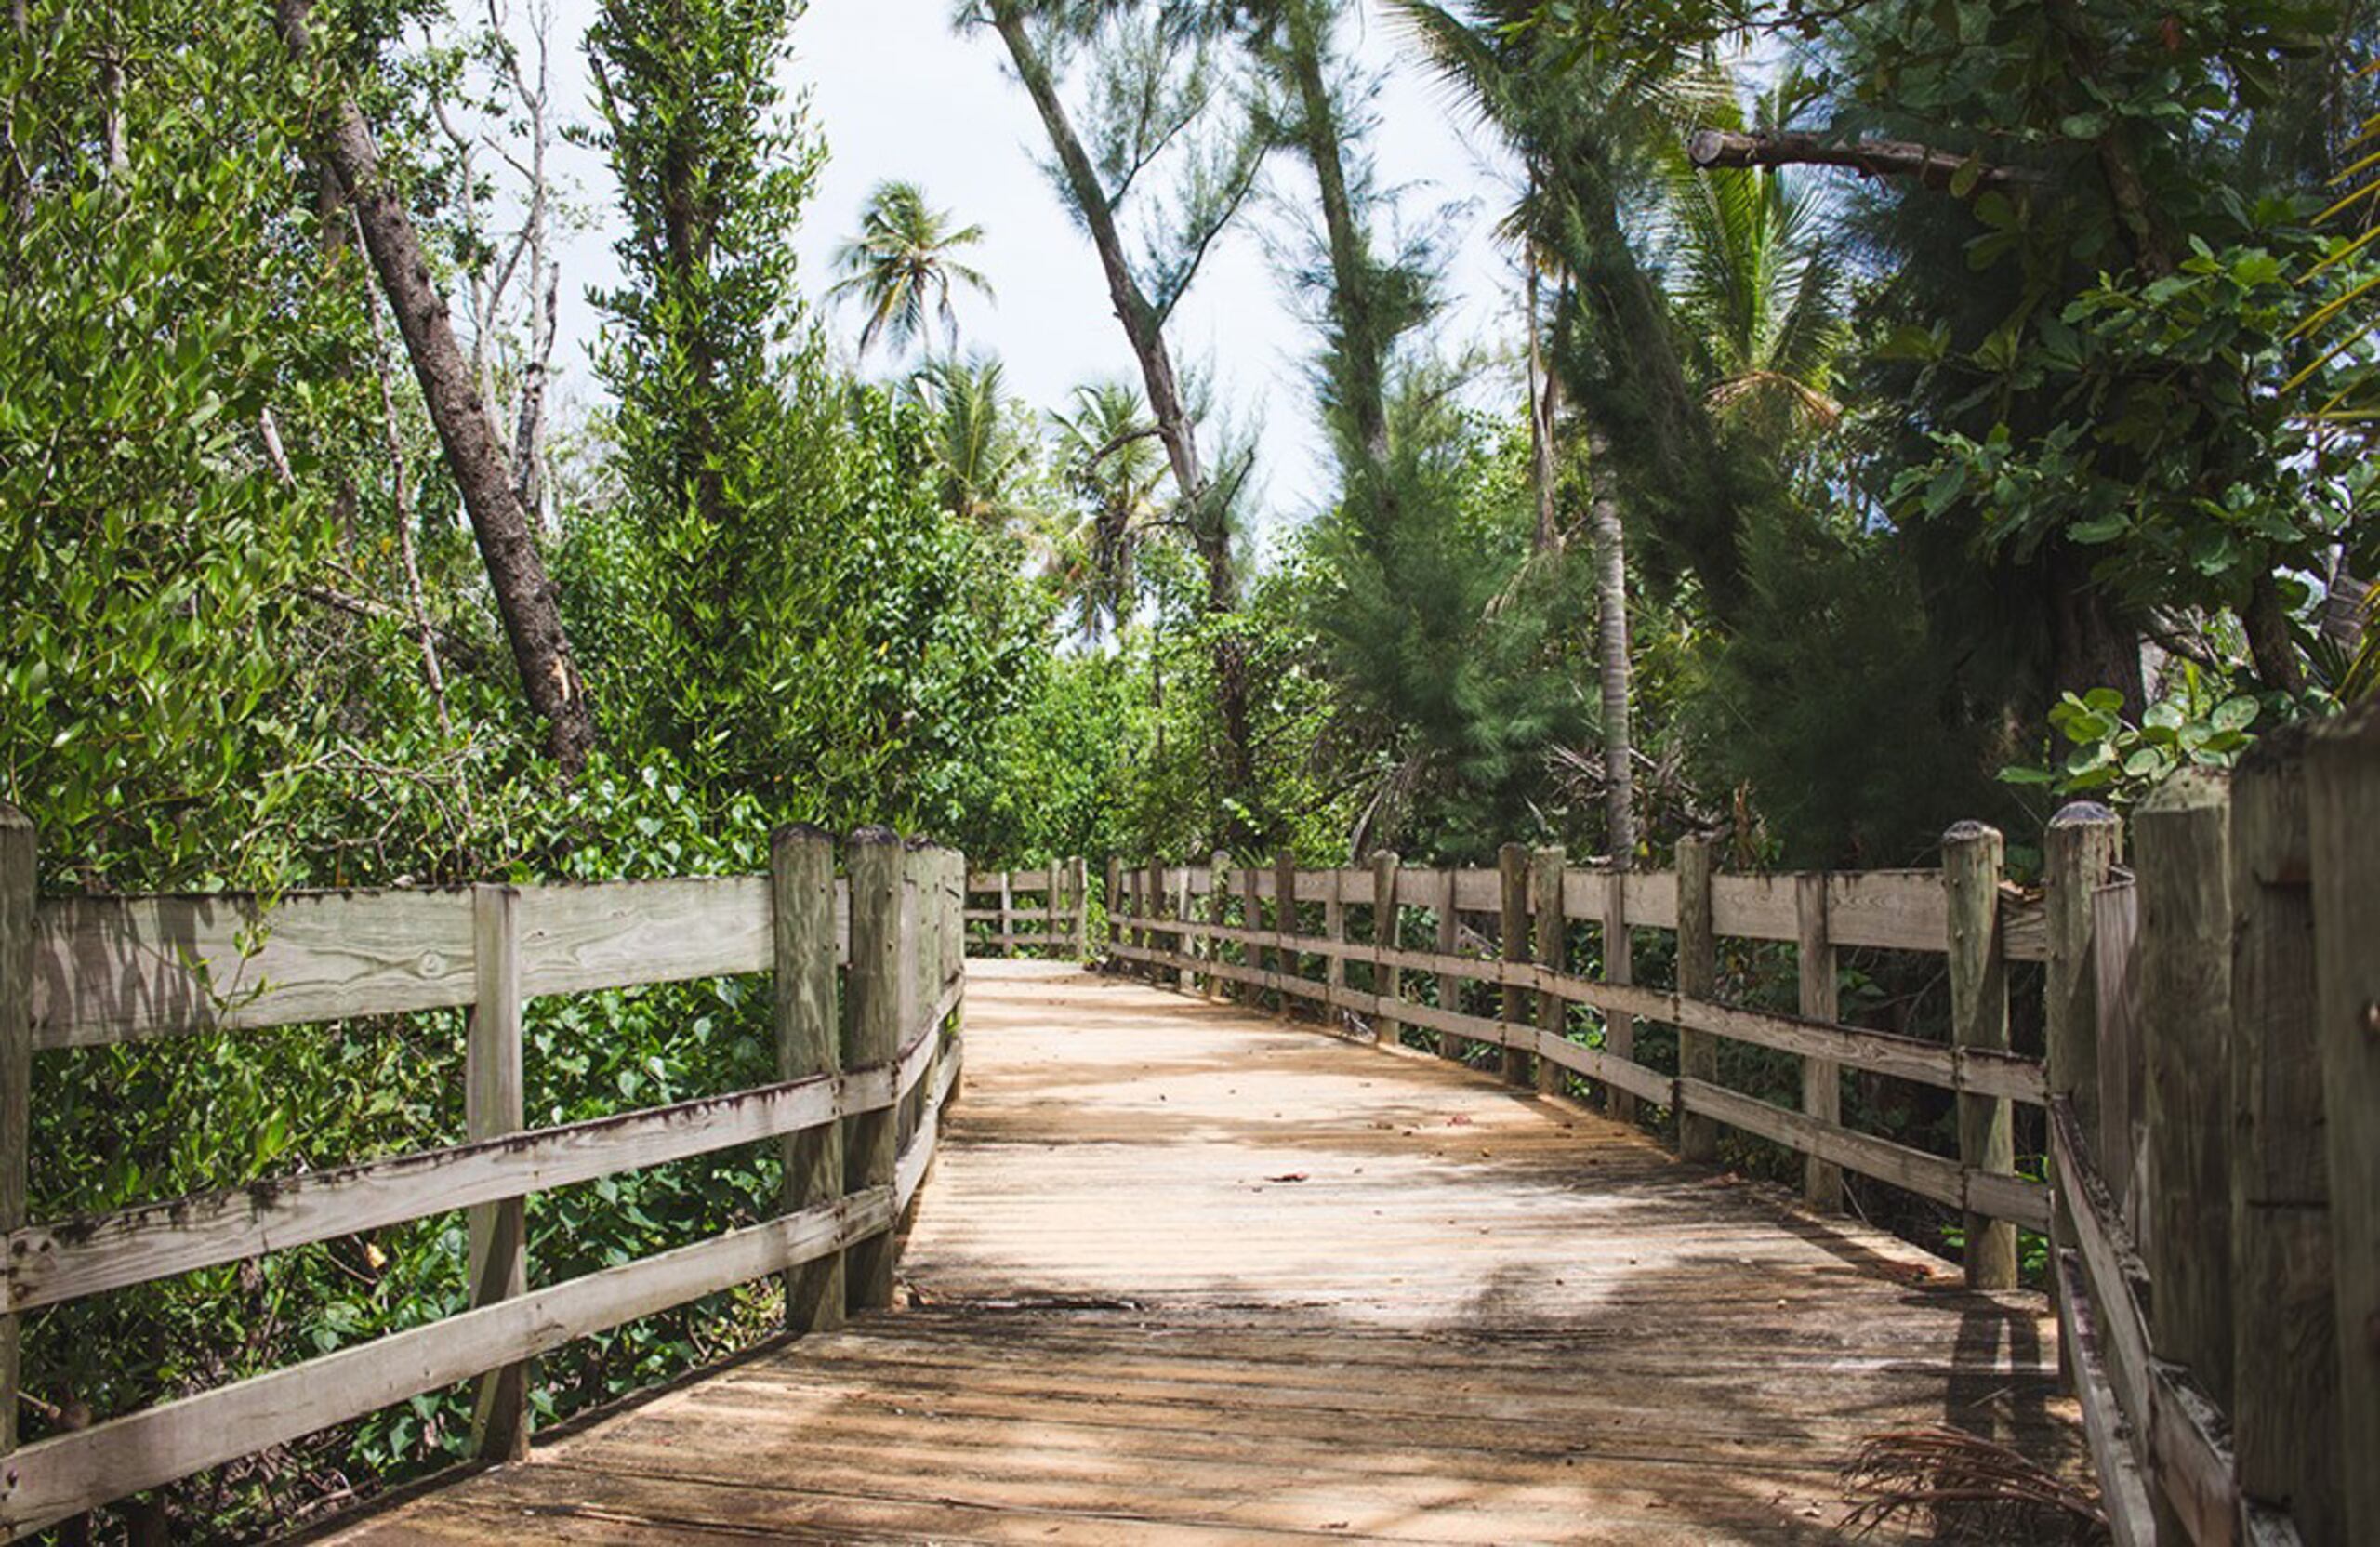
pixel 166 336
pixel 2201 723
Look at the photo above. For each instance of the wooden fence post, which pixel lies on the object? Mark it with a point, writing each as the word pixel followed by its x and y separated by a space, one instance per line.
pixel 1111 896
pixel 1219 914
pixel 1008 912
pixel 1187 979
pixel 1080 878
pixel 492 1109
pixel 1697 978
pixel 2343 789
pixel 2080 851
pixel 1449 941
pixel 2285 1353
pixel 1821 1000
pixel 1552 950
pixel 873 1000
pixel 1512 945
pixel 1334 928
pixel 1152 884
pixel 1053 911
pixel 17 870
pixel 801 886
pixel 1619 969
pixel 2181 839
pixel 1388 980
pixel 1971 872
pixel 1284 922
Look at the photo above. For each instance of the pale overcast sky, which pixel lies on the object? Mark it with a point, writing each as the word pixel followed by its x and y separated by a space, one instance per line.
pixel 900 95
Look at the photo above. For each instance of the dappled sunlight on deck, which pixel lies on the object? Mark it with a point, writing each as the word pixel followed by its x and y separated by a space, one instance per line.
pixel 1185 1274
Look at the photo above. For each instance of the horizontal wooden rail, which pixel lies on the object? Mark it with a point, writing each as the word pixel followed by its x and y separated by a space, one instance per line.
pixel 1981 1071
pixel 54 1479
pixel 117 969
pixel 1933 1176
pixel 857 1121
pixel 1898 910
pixel 1064 913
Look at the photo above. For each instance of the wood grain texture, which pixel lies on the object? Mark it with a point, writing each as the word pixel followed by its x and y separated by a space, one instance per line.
pixel 1388 916
pixel 18 862
pixel 1971 875
pixel 1549 937
pixel 2343 787
pixel 73 1472
pixel 1697 977
pixel 117 969
pixel 2285 1336
pixel 1512 945
pixel 1186 1276
pixel 1620 970
pixel 876 1010
pixel 2182 838
pixel 491 1110
pixel 807 1017
pixel 1820 1001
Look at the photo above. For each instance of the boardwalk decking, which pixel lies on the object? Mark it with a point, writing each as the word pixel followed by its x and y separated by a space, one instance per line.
pixel 1188 1275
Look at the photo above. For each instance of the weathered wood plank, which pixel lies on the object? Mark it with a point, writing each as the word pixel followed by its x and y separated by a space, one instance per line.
pixel 1449 938
pixel 1697 978
pixel 2182 837
pixel 17 878
pixel 112 969
pixel 52 1264
pixel 1388 916
pixel 1618 970
pixel 1985 1071
pixel 877 1021
pixel 2080 848
pixel 491 1110
pixel 2123 1493
pixel 78 1471
pixel 1820 1001
pixel 807 1018
pixel 2285 1353
pixel 2343 789
pixel 1971 875
pixel 1551 939
pixel 1512 945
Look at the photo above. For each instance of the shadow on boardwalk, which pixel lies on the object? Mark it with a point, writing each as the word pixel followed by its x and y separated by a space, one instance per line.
pixel 1189 1275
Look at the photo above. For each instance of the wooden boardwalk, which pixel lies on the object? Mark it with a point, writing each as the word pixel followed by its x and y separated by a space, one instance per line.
pixel 1184 1274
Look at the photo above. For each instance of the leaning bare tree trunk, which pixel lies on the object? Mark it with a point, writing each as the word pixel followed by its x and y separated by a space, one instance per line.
pixel 1611 597
pixel 1209 531
pixel 524 597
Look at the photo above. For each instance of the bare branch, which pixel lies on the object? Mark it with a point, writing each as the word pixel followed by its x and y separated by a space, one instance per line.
pixel 1875 158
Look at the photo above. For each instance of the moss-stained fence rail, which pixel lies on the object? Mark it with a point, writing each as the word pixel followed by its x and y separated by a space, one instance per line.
pixel 868 981
pixel 2212 1081
pixel 1063 915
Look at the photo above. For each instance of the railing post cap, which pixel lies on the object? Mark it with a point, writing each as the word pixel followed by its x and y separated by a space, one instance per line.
pixel 1968 832
pixel 2189 789
pixel 874 833
pixel 2082 813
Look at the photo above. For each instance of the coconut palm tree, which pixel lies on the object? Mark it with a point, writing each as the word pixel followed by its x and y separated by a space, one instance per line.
pixel 902 266
pixel 977 443
pixel 1108 447
pixel 1760 293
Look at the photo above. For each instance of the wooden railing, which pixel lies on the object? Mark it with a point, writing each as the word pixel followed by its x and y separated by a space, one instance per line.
pixel 856 1111
pixel 1062 914
pixel 2215 1134
pixel 1181 919
pixel 2212 1082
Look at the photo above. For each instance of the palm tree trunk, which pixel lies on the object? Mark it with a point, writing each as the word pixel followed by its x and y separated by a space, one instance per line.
pixel 1210 529
pixel 1542 389
pixel 1362 349
pixel 1611 597
pixel 524 597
